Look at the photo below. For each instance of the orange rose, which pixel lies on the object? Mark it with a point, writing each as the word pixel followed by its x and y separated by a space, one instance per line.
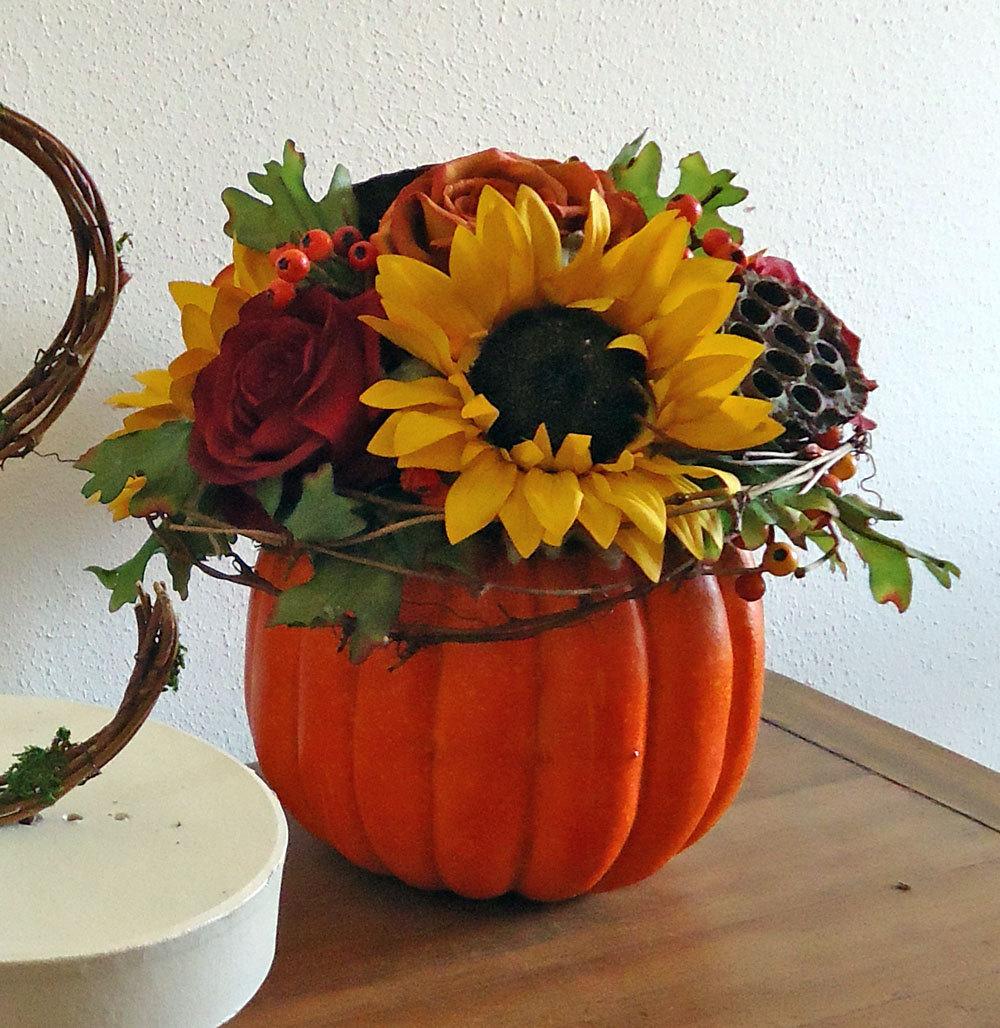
pixel 422 219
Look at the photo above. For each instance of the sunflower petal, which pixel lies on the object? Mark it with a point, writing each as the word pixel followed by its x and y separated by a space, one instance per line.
pixel 638 499
pixel 574 454
pixel 417 335
pixel 555 498
pixel 543 233
pixel 477 495
pixel 517 517
pixel 392 395
pixel 736 424
pixel 409 281
pixel 630 342
pixel 480 411
pixel 444 455
pixel 646 552
pixel 673 335
pixel 193 294
pixel 600 518
pixel 415 429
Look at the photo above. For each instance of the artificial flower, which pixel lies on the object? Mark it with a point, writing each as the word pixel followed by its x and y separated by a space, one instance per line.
pixel 284 388
pixel 554 390
pixel 423 218
pixel 207 313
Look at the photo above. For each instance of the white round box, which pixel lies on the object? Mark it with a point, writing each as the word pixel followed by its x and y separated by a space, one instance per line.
pixel 147 898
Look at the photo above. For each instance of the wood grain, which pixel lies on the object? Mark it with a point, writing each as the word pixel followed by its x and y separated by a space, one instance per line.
pixel 893 752
pixel 787 913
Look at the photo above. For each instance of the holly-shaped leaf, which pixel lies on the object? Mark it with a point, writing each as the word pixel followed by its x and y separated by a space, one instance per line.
pixel 322 514
pixel 291 211
pixel 124 580
pixel 713 189
pixel 363 600
pixel 269 492
pixel 158 454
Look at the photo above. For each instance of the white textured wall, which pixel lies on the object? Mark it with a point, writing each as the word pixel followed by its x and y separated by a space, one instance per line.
pixel 868 132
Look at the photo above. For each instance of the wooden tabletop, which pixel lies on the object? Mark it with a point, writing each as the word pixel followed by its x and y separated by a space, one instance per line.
pixel 829 895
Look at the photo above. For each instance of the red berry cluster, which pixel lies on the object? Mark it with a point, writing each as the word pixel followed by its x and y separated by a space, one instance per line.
pixel 716 242
pixel 293 262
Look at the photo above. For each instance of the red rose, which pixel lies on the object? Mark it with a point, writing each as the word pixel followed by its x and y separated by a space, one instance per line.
pixel 422 219
pixel 285 387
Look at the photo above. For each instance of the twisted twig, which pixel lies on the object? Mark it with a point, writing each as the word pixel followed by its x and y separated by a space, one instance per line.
pixel 30 408
pixel 155 662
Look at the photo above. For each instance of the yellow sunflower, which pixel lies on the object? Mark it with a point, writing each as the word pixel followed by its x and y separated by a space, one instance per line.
pixel 207 313
pixel 555 390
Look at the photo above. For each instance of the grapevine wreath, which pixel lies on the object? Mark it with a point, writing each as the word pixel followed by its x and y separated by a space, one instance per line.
pixel 40 775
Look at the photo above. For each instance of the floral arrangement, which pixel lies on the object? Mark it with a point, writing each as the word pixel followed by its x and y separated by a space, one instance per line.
pixel 436 372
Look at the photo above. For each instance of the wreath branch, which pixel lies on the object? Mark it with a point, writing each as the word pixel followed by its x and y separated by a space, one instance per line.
pixel 28 410
pixel 65 764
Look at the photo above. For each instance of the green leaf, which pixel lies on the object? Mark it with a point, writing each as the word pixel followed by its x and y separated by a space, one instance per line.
pixel 637 169
pixel 889 575
pixel 269 494
pixel 292 211
pixel 363 599
pixel 322 514
pixel 714 189
pixel 817 498
pixel 158 453
pixel 856 515
pixel 753 527
pixel 854 505
pixel 184 549
pixel 123 581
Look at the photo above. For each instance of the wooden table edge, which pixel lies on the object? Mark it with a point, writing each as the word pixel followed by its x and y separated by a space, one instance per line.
pixel 893 753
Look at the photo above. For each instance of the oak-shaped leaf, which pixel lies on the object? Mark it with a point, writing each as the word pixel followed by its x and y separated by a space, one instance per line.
pixel 159 454
pixel 322 514
pixel 291 211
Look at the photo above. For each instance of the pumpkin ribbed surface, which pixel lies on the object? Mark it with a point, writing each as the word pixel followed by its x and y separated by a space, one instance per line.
pixel 581 759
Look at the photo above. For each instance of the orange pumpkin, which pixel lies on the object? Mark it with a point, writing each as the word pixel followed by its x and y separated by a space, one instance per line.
pixel 578 760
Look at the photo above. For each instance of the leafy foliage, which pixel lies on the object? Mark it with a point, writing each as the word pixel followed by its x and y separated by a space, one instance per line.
pixel 889 575
pixel 362 599
pixel 714 190
pixel 159 454
pixel 124 580
pixel 638 166
pixel 322 514
pixel 37 771
pixel 291 211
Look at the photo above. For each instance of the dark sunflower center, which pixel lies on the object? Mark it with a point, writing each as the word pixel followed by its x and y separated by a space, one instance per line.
pixel 551 366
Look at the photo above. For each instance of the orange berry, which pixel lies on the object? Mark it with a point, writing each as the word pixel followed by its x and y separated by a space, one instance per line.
pixel 293 265
pixel 282 293
pixel 779 560
pixel 751 586
pixel 830 439
pixel 819 518
pixel 317 244
pixel 344 238
pixel 845 468
pixel 277 251
pixel 830 482
pixel 714 240
pixel 362 255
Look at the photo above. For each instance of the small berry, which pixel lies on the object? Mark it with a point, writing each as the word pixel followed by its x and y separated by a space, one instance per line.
pixel 293 265
pixel 277 251
pixel 344 238
pixel 830 439
pixel 714 239
pixel 751 586
pixel 362 255
pixel 830 482
pixel 779 560
pixel 845 468
pixel 731 252
pixel 317 244
pixel 425 483
pixel 282 293
pixel 688 207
